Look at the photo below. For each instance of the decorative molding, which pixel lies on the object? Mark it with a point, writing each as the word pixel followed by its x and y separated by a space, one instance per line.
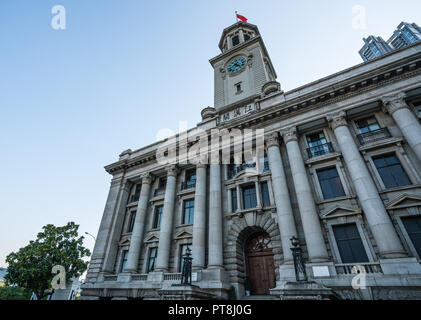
pixel 172 171
pixel 394 102
pixel 404 201
pixel 289 134
pixel 272 140
pixel 340 211
pixel 147 178
pixel 337 120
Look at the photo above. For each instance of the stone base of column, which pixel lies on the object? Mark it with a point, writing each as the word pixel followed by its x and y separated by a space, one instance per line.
pixel 185 292
pixel 400 266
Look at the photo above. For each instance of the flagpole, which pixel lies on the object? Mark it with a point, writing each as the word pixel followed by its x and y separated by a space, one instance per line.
pixel 236 18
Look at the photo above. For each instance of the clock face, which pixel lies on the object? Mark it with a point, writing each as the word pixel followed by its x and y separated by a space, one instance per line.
pixel 236 65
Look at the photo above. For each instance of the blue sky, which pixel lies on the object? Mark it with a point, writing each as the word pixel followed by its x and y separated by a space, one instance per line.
pixel 71 100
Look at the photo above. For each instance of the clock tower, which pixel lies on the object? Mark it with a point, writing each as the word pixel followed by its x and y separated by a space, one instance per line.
pixel 243 71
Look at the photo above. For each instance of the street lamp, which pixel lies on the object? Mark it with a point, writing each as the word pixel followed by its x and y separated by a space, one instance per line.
pixel 90 235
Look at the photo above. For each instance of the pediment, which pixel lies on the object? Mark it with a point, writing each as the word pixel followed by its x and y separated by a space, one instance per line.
pixel 340 211
pixel 152 238
pixel 404 201
pixel 183 235
pixel 124 242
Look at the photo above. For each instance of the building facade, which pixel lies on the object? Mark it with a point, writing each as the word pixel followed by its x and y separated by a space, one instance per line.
pixel 374 47
pixel 341 170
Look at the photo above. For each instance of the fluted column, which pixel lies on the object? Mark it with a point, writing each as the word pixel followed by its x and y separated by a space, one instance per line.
pixel 316 246
pixel 380 224
pixel 215 218
pixel 139 225
pixel 286 221
pixel 199 220
pixel 167 221
pixel 405 119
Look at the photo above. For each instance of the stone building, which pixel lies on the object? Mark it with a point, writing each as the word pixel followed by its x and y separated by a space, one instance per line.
pixel 341 171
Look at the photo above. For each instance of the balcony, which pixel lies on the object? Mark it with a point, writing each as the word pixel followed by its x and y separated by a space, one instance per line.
pixel 320 150
pixel 188 185
pixel 235 169
pixel 372 136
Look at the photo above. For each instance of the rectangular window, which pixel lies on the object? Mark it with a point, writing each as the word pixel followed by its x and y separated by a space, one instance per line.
pixel 249 197
pixel 162 182
pixel 151 260
pixel 246 37
pixel 265 194
pixel 367 125
pixel 157 217
pixel 135 193
pixel 131 221
pixel 190 179
pixel 124 260
pixel 413 228
pixel 234 199
pixel 330 182
pixel 349 242
pixel 317 144
pixel 183 249
pixel 238 87
pixel 391 171
pixel 188 211
pixel 417 106
pixel 235 40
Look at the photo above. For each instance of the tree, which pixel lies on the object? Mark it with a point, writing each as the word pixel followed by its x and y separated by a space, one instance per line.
pixel 14 293
pixel 31 267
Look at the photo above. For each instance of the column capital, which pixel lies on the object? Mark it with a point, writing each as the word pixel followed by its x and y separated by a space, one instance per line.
pixel 147 178
pixel 201 166
pixel 337 120
pixel 172 170
pixel 394 102
pixel 272 140
pixel 289 134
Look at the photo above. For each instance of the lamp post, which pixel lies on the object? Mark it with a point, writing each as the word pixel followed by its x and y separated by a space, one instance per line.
pixel 90 235
pixel 299 264
pixel 187 268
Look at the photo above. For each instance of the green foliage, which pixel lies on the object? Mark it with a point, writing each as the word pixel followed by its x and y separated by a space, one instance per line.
pixel 31 266
pixel 14 293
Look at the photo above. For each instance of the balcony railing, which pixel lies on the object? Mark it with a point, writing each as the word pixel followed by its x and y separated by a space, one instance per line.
pixel 172 276
pixel 373 136
pixel 110 277
pixel 235 169
pixel 368 267
pixel 138 277
pixel 320 150
pixel 188 185
pixel 159 191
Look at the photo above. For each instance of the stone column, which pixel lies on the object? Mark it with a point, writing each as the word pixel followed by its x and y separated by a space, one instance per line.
pixel 405 119
pixel 239 195
pixel 139 225
pixel 167 221
pixel 280 189
pixel 258 195
pixel 215 218
pixel 316 246
pixel 380 224
pixel 199 219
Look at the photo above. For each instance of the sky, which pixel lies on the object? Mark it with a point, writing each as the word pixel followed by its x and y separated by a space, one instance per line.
pixel 71 100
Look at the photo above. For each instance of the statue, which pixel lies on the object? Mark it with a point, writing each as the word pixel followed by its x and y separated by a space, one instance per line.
pixel 187 268
pixel 299 265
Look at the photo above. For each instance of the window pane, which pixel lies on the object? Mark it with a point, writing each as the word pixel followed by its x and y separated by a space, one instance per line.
pixel 152 258
pixel 391 171
pixel 316 139
pixel 124 261
pixel 349 243
pixel 249 197
pixel 265 194
pixel 367 125
pixel 158 216
pixel 235 40
pixel 132 220
pixel 413 227
pixel 188 211
pixel 330 183
pixel 234 199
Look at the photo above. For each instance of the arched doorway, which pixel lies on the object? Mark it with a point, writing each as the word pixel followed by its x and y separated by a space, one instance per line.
pixel 260 263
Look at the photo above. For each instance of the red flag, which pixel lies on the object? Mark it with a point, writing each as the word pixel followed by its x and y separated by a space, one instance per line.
pixel 242 18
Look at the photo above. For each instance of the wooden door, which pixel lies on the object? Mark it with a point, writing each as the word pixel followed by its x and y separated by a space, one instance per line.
pixel 260 264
